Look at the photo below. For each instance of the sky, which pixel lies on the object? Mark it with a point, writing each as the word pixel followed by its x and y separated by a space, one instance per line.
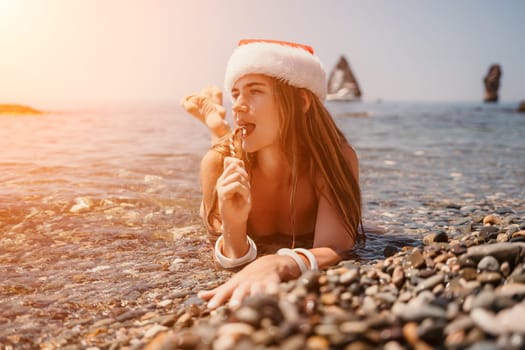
pixel 162 50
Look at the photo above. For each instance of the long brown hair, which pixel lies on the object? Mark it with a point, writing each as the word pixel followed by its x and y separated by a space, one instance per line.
pixel 312 143
pixel 312 139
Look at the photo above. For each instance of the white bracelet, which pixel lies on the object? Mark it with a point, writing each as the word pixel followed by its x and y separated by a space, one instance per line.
pixel 311 258
pixel 229 263
pixel 295 256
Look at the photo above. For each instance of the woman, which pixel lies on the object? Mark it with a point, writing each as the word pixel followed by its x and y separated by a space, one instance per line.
pixel 296 177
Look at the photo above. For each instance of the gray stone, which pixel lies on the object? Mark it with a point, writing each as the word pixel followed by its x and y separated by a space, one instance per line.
pixel 460 323
pixel 417 311
pixel 484 299
pixel 487 321
pixel 483 345
pixel 430 282
pixel 349 276
pixel 488 263
pixel 512 319
pixel 501 251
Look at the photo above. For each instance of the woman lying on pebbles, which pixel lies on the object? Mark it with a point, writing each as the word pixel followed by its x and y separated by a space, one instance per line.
pixel 286 170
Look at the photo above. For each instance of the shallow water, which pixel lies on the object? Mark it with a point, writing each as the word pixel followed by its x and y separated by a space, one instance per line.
pixel 136 166
pixel 413 154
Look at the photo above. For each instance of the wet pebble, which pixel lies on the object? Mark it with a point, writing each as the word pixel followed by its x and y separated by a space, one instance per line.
pixel 489 277
pixel 488 263
pixel 416 259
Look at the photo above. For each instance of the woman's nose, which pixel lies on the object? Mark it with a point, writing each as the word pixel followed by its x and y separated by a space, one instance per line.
pixel 240 105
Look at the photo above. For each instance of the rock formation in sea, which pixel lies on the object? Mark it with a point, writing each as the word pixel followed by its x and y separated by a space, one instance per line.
pixel 521 107
pixel 14 109
pixel 491 82
pixel 342 84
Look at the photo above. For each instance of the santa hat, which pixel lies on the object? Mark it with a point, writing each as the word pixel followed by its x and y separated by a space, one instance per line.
pixel 292 63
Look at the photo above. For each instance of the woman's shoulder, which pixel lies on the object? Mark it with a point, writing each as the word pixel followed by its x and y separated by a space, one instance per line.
pixel 349 152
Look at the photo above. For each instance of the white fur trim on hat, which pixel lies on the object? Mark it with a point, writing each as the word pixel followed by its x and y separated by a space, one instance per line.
pixel 294 65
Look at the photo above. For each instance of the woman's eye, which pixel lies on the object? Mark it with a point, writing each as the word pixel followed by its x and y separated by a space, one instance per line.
pixel 255 92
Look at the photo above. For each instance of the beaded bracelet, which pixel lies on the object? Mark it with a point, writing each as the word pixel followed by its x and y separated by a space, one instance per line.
pixel 229 263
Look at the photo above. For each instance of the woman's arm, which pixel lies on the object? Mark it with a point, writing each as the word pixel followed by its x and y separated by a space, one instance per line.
pixel 230 179
pixel 234 202
pixel 211 169
pixel 331 238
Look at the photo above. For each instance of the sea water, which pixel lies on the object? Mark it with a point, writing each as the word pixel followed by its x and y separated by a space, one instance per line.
pixel 78 164
pixel 445 151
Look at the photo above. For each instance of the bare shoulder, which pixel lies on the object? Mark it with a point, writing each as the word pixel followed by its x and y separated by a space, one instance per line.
pixel 349 153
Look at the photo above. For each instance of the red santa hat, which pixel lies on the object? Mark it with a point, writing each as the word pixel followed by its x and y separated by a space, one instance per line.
pixel 290 62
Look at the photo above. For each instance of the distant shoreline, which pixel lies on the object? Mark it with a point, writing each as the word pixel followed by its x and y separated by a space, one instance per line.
pixel 15 109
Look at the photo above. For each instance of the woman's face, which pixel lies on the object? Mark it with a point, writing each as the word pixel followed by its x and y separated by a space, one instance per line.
pixel 254 108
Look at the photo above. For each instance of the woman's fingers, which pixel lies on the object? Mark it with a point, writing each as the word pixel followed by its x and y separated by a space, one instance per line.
pixel 233 161
pixel 233 186
pixel 221 296
pixel 271 288
pixel 260 276
pixel 235 189
pixel 233 168
pixel 207 294
pixel 236 292
pixel 256 288
pixel 233 178
pixel 233 291
pixel 232 164
pixel 238 295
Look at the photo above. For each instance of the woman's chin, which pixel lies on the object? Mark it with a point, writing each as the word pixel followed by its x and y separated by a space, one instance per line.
pixel 248 148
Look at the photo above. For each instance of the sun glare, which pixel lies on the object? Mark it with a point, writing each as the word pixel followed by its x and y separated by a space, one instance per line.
pixel 5 5
pixel 9 11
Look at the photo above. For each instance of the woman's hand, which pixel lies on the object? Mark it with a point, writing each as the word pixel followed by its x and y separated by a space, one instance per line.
pixel 261 276
pixel 233 191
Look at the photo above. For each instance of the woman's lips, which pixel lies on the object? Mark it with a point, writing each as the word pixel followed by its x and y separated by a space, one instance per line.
pixel 249 127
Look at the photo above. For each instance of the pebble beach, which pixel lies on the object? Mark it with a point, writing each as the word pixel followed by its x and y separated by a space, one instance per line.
pixel 460 289
pixel 101 246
